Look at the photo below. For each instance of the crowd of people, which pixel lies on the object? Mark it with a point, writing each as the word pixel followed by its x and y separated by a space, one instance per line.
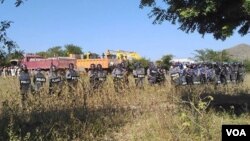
pixel 204 73
pixel 9 71
pixel 180 74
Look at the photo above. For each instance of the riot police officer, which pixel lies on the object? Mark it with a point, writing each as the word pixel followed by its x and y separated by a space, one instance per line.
pixel 203 69
pixel 160 78
pixel 241 73
pixel 210 73
pixel 224 73
pixel 217 71
pixel 196 74
pixel 25 84
pixel 101 75
pixel 124 65
pixel 234 68
pixel 189 73
pixel 72 77
pixel 139 75
pixel 119 77
pixel 55 81
pixel 92 73
pixel 39 80
pixel 175 74
pixel 152 73
pixel 183 74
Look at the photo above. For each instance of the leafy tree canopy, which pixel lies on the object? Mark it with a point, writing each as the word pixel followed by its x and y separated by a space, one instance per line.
pixel 17 2
pixel 143 61
pixel 208 55
pixel 73 49
pixel 61 51
pixel 56 51
pixel 218 17
pixel 165 61
pixel 8 48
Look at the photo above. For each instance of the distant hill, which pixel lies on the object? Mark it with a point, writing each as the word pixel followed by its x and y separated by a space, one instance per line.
pixel 239 52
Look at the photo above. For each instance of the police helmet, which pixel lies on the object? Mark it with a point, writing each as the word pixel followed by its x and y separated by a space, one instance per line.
pixel 151 64
pixel 53 68
pixel 92 66
pixel 123 64
pixel 24 67
pixel 137 65
pixel 71 66
pixel 38 69
pixel 99 66
pixel 119 65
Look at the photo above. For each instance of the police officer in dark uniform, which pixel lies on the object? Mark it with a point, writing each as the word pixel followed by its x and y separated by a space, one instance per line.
pixel 139 75
pixel 160 78
pixel 196 74
pixel 39 80
pixel 152 73
pixel 223 75
pixel 175 74
pixel 234 68
pixel 92 73
pixel 72 77
pixel 189 73
pixel 118 74
pixel 217 70
pixel 25 85
pixel 182 73
pixel 125 67
pixel 203 69
pixel 55 81
pixel 241 73
pixel 210 73
pixel 101 75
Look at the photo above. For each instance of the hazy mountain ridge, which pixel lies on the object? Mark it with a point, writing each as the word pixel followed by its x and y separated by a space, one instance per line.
pixel 239 52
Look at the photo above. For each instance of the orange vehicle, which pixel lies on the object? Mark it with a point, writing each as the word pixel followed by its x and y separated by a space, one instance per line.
pixel 108 60
pixel 86 60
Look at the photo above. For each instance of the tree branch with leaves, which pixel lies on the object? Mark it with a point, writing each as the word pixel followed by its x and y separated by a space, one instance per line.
pixel 217 17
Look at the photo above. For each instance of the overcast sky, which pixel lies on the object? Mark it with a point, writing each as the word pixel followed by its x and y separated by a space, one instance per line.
pixel 98 25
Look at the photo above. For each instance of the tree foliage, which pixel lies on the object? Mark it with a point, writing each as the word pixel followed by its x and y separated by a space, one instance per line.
pixel 53 52
pixel 17 2
pixel 209 55
pixel 42 54
pixel 4 25
pixel 247 65
pixel 56 51
pixel 60 51
pixel 218 17
pixel 5 42
pixel 8 48
pixel 73 49
pixel 165 61
pixel 144 62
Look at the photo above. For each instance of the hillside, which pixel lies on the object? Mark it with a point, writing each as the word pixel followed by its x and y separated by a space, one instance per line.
pixel 239 52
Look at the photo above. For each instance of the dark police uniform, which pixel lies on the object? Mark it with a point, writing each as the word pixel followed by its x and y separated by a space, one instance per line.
pixel 55 83
pixel 72 79
pixel 25 85
pixel 39 80
pixel 152 74
pixel 119 77
pixel 139 75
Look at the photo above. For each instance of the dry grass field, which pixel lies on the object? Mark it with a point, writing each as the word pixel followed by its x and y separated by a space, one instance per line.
pixel 154 113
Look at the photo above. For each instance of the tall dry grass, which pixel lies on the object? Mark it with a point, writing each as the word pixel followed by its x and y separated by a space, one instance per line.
pixel 153 113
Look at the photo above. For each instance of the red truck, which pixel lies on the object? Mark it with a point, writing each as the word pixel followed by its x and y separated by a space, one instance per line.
pixel 33 61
